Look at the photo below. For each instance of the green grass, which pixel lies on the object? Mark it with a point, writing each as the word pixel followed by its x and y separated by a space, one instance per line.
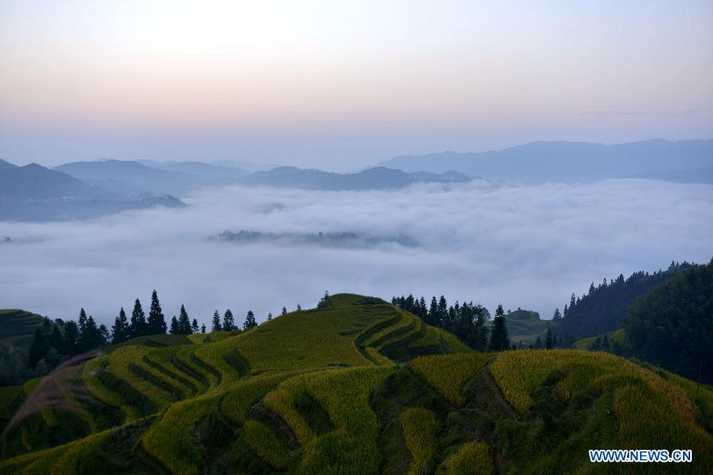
pixel 305 394
pixel 266 445
pixel 472 458
pixel 171 441
pixel 326 336
pixel 238 400
pixel 9 396
pixel 420 428
pixel 101 392
pixel 448 373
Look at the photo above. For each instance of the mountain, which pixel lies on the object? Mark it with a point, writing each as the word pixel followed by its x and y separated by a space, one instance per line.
pixel 35 193
pixel 197 168
pixel 697 175
pixel 371 179
pixel 542 162
pixel 604 306
pixel 247 166
pixel 36 182
pixel 355 385
pixel 159 182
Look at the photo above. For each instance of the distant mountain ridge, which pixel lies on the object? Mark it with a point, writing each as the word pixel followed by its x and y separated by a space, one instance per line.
pixel 35 193
pixel 542 162
pixel 370 179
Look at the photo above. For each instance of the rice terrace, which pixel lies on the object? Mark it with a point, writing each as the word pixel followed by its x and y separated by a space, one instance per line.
pixel 354 386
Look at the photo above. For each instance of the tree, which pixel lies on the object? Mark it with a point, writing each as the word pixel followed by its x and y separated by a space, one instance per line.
pixel 284 311
pixel 228 321
pixel 203 328
pixel 90 337
pixel 194 326
pixel 120 329
pixel 71 337
pixel 175 330
pixel 104 336
pixel 38 348
pixel 184 323
pixel 605 343
pixel 216 322
pixel 499 338
pixel 299 308
pixel 548 339
pixel 432 315
pixel 538 343
pixel 249 321
pixel 156 323
pixel 324 301
pixel 82 319
pixel 269 316
pixel 138 320
pixel 557 316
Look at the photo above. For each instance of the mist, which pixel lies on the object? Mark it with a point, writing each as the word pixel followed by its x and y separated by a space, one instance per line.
pixel 524 246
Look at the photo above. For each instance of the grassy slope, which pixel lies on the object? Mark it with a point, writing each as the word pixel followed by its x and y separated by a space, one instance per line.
pixel 355 387
pixel 18 326
pixel 525 326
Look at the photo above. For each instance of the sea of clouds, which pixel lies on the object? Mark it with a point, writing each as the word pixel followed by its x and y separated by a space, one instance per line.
pixel 524 246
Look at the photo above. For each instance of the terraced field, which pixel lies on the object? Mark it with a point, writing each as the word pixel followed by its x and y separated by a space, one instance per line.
pixel 356 386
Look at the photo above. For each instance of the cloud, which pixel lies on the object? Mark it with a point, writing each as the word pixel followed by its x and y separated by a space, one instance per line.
pixel 527 246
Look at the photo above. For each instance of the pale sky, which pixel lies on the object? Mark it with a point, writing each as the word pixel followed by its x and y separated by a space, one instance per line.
pixel 344 84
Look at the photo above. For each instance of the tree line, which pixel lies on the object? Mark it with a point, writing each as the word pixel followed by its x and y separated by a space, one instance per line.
pixel 58 340
pixel 467 321
pixel 604 306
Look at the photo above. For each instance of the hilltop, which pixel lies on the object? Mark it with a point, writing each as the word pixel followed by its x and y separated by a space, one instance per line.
pixel 355 385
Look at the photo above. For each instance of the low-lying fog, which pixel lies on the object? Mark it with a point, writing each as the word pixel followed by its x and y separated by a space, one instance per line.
pixel 527 246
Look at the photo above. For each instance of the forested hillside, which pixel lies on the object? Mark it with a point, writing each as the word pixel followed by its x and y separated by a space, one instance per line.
pixel 356 385
pixel 671 326
pixel 605 305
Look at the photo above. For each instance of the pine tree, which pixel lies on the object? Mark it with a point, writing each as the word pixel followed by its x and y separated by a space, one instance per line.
pixel 120 329
pixel 184 323
pixel 175 330
pixel 433 313
pixel 299 307
pixel 194 326
pixel 249 321
pixel 71 337
pixel 38 349
pixel 284 311
pixel 269 316
pixel 548 339
pixel 203 328
pixel 499 338
pixel 557 316
pixel 216 322
pixel 442 312
pixel 90 337
pixel 228 321
pixel 156 323
pixel 138 320
pixel 538 343
pixel 104 336
pixel 82 319
pixel 605 343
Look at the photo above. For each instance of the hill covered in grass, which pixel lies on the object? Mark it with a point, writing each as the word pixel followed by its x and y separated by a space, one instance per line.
pixel 17 327
pixel 354 386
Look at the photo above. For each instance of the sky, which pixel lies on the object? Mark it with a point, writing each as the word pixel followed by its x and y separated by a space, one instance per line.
pixel 342 85
pixel 522 246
